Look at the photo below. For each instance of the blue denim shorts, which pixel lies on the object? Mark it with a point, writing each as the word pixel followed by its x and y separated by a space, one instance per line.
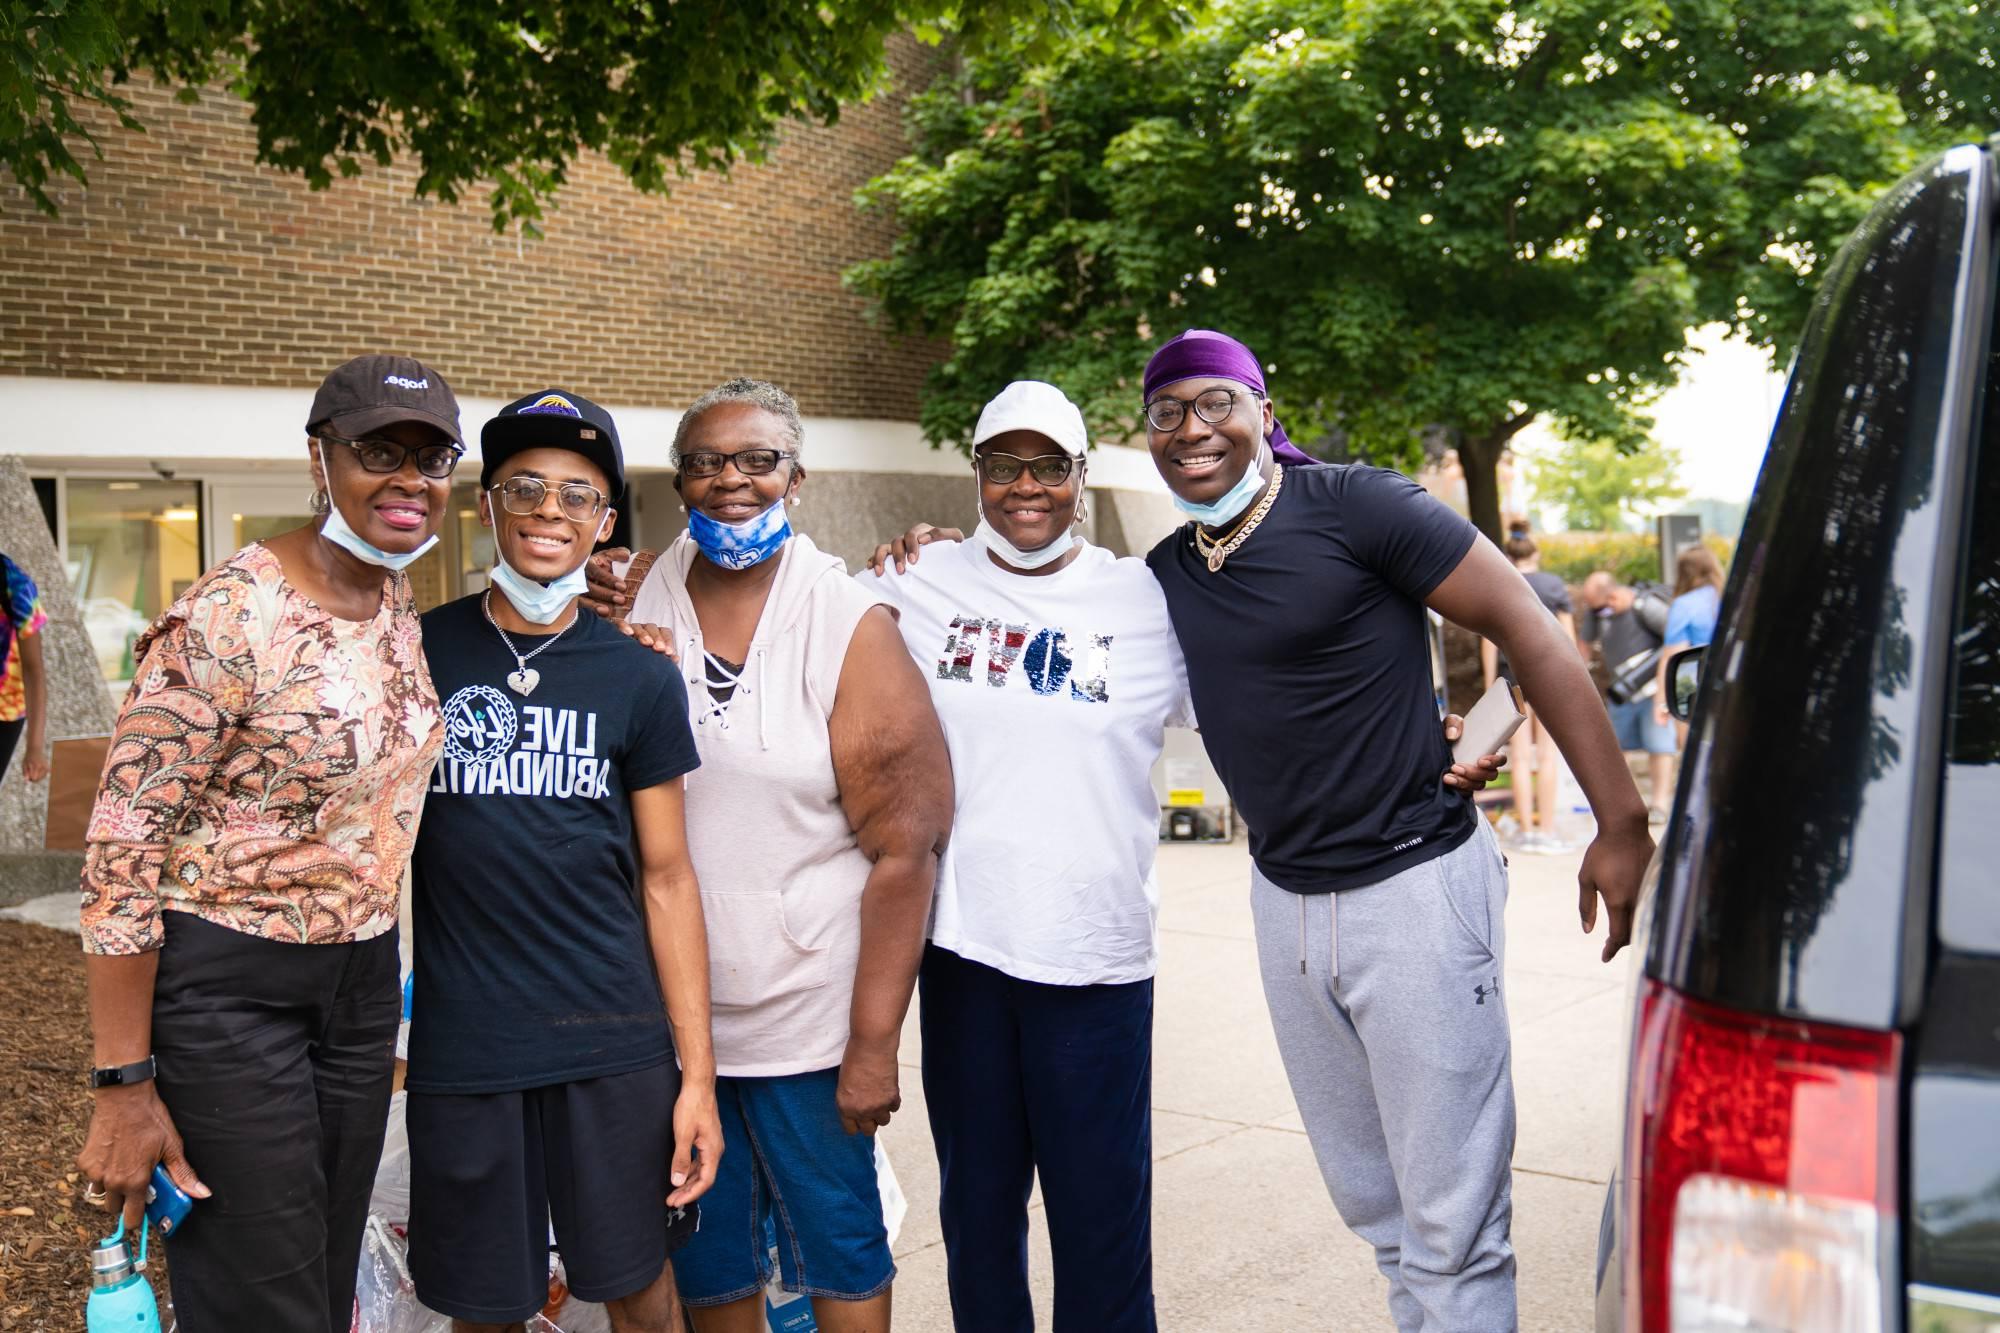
pixel 1637 730
pixel 785 1157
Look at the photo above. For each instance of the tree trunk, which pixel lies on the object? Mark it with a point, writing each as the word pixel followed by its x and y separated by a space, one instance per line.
pixel 1479 458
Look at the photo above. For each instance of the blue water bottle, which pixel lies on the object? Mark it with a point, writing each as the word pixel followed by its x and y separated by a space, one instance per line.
pixel 121 1300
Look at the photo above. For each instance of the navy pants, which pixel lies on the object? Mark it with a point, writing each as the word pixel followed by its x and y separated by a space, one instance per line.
pixel 1023 1077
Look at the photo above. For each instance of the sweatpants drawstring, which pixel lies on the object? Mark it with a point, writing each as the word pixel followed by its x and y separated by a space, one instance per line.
pixel 1302 932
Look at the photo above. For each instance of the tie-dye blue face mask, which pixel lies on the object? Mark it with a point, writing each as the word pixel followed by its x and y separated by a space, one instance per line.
pixel 741 545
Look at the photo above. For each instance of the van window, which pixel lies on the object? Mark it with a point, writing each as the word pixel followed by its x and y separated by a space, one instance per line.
pixel 1968 891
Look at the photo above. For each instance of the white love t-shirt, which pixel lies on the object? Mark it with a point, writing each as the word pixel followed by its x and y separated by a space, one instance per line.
pixel 1055 691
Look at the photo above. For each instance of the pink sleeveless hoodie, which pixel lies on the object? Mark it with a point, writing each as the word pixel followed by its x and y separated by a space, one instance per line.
pixel 781 874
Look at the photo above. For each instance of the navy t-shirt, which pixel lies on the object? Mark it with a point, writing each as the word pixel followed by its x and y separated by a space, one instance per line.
pixel 1307 655
pixel 532 962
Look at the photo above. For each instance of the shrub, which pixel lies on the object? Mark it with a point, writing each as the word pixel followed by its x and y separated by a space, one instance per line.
pixel 1632 557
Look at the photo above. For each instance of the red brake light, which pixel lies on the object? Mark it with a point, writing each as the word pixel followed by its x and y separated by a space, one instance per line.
pixel 1761 1148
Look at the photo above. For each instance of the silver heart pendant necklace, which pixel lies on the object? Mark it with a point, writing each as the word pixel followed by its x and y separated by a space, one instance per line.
pixel 523 679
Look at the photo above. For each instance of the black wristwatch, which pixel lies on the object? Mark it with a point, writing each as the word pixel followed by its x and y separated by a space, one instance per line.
pixel 119 1076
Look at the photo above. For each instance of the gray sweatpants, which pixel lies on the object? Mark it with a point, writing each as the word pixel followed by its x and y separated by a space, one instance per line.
pixel 1390 1018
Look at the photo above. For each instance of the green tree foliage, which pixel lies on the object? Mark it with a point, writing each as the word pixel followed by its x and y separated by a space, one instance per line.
pixel 505 92
pixel 1431 220
pixel 1602 488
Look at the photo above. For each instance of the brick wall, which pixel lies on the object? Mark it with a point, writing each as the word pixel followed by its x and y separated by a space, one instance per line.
pixel 184 261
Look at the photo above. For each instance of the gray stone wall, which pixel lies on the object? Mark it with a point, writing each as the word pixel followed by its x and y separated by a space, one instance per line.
pixel 78 702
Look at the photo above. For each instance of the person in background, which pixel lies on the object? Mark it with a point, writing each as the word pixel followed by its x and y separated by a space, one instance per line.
pixel 1626 627
pixel 1690 620
pixel 553 902
pixel 1535 782
pixel 24 680
pixel 816 822
pixel 244 867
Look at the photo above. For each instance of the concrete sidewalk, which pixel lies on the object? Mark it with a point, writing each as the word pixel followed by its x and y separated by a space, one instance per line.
pixel 1245 1239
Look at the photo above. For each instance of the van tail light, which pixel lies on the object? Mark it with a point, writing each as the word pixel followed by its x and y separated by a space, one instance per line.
pixel 1761 1171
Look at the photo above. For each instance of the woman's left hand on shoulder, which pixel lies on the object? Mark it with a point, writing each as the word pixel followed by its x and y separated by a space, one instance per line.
pixel 650 636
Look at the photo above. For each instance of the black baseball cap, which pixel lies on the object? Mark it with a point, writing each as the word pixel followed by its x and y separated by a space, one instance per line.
pixel 371 392
pixel 553 419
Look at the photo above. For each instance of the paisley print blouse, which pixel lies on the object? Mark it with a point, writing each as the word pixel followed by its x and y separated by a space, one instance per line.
pixel 267 770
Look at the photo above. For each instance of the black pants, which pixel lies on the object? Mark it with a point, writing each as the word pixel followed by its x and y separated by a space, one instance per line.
pixel 275 1061
pixel 10 736
pixel 1023 1080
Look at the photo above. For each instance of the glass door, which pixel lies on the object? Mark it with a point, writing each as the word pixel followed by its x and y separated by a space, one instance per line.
pixel 241 512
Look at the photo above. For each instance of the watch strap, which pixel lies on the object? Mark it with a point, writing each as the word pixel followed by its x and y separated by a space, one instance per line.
pixel 118 1076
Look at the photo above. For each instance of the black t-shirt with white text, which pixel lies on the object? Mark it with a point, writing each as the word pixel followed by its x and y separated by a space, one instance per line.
pixel 1308 659
pixel 531 956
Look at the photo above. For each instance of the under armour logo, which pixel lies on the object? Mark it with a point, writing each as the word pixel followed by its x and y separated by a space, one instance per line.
pixel 1483 991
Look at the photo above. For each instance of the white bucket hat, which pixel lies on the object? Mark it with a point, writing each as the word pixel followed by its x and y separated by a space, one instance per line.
pixel 1036 406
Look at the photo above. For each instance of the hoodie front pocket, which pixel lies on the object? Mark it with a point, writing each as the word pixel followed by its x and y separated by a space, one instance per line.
pixel 752 957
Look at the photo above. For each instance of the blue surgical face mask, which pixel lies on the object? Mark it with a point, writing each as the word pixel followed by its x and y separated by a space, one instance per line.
pixel 1234 502
pixel 336 530
pixel 741 545
pixel 541 603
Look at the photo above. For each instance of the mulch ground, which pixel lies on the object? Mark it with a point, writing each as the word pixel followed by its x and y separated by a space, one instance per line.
pixel 45 1227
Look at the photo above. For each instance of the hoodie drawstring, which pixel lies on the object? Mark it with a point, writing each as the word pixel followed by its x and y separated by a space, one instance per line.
pixel 763 736
pixel 734 682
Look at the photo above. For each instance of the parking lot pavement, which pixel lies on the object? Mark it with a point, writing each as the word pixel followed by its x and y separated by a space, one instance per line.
pixel 1245 1239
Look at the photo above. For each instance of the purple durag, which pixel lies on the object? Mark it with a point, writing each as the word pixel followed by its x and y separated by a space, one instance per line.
pixel 1206 354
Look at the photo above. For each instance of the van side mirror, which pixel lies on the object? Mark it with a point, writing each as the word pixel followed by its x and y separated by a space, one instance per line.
pixel 1683 681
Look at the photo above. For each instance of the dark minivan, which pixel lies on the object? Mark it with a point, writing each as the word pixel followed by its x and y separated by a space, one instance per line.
pixel 1812 1124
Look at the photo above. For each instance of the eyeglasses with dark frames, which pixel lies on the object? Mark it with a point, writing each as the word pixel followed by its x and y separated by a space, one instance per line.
pixel 1211 405
pixel 1002 469
pixel 749 462
pixel 381 456
pixel 522 496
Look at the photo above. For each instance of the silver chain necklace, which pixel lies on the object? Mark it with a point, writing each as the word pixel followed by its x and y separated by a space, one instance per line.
pixel 523 679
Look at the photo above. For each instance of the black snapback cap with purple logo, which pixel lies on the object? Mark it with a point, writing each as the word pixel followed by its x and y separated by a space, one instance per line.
pixel 371 392
pixel 553 419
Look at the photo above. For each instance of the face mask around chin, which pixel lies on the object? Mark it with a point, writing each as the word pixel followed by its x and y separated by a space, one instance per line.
pixel 741 545
pixel 1016 558
pixel 541 603
pixel 1234 501
pixel 336 529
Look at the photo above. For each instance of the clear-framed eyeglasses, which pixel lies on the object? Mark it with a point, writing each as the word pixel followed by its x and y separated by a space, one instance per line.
pixel 750 462
pixel 524 496
pixel 381 456
pixel 1211 405
pixel 1003 469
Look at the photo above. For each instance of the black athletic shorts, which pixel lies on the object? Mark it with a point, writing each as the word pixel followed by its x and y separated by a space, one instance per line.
pixel 490 1171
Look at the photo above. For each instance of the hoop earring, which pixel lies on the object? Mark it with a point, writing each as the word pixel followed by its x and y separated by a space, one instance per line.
pixel 319 503
pixel 1082 512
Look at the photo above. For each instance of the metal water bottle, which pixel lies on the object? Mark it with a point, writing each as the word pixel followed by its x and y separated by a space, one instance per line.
pixel 121 1300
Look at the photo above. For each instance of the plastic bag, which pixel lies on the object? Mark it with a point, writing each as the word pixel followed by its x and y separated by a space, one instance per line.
pixel 391 1199
pixel 894 1205
pixel 385 1300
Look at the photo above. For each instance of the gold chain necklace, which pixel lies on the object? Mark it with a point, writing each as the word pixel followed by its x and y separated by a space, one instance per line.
pixel 1218 550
